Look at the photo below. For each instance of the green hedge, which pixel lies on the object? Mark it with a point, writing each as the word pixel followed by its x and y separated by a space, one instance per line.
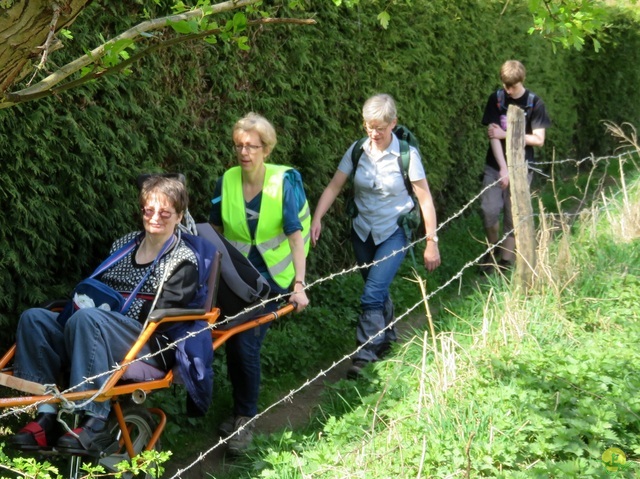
pixel 68 164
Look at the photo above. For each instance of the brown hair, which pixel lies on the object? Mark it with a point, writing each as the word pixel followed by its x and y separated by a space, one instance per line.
pixel 173 189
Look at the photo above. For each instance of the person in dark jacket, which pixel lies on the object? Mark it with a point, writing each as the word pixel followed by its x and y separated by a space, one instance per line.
pixel 93 340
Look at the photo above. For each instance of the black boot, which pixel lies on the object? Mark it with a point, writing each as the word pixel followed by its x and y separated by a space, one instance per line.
pixel 39 434
pixel 91 437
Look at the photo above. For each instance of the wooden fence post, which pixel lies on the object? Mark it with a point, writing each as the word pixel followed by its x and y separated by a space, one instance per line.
pixel 522 210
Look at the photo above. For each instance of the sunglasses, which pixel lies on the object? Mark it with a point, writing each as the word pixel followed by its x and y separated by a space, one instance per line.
pixel 149 213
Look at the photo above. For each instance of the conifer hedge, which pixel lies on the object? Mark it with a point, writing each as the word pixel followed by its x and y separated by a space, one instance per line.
pixel 68 164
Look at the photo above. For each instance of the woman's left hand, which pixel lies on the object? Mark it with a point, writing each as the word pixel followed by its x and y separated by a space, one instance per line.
pixel 299 297
pixel 431 256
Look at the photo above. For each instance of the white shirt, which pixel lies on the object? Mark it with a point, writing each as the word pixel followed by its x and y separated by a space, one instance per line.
pixel 380 192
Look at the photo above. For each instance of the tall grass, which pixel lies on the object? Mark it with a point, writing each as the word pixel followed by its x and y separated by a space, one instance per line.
pixel 508 384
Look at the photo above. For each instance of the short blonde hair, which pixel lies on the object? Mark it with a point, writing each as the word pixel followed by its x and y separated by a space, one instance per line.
pixel 512 72
pixel 259 124
pixel 381 107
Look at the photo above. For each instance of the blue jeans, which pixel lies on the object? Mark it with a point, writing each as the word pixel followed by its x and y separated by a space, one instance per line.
pixel 243 364
pixel 91 342
pixel 377 308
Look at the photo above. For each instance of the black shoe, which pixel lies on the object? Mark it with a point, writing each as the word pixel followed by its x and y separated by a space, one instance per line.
pixel 39 434
pixel 504 265
pixel 226 427
pixel 384 350
pixel 487 264
pixel 91 437
pixel 355 371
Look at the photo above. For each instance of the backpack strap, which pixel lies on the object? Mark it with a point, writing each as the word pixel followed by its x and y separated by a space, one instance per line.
pixel 531 98
pixel 134 294
pixel 403 161
pixel 501 103
pixel 117 256
pixel 356 153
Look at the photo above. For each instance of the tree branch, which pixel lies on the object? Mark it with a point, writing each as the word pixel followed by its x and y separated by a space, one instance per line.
pixel 47 44
pixel 28 95
pixel 151 25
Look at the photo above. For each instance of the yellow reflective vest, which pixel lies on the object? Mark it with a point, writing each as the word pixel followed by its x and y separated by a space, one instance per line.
pixel 270 240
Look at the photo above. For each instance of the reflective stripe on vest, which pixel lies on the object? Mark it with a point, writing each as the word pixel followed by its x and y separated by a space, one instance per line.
pixel 270 240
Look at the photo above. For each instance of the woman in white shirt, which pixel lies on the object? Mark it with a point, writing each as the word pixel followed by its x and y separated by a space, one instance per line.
pixel 381 198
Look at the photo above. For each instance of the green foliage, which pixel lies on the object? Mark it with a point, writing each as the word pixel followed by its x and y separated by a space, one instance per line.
pixel 67 175
pixel 147 462
pixel 546 403
pixel 570 22
pixel 68 164
pixel 68 167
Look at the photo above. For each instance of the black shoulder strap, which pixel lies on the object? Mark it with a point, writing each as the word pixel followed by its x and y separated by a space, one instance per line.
pixel 500 96
pixel 530 100
pixel 403 161
pixel 356 153
pixel 501 102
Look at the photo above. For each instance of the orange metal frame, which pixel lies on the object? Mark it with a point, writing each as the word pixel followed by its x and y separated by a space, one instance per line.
pixel 112 390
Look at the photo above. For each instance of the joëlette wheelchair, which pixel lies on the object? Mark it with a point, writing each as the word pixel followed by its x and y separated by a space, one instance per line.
pixel 136 428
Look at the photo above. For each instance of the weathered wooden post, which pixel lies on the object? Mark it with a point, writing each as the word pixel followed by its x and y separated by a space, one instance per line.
pixel 524 226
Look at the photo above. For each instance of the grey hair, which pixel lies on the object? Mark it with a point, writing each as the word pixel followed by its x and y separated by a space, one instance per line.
pixel 381 107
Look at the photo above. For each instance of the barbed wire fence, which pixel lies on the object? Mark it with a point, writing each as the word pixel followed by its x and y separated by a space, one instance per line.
pixel 69 407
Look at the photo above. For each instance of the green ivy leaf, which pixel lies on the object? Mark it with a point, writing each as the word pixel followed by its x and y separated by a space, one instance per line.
pixel 239 22
pixel 384 18
pixel 184 27
pixel 243 43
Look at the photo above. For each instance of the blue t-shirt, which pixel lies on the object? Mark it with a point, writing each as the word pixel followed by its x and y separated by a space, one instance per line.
pixel 294 199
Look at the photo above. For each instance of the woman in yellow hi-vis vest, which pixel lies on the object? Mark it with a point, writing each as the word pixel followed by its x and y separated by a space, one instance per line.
pixel 263 211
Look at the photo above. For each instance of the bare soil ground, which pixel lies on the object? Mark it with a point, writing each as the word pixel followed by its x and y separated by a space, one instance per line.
pixel 290 415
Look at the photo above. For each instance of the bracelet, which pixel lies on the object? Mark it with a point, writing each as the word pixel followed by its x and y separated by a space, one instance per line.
pixel 304 285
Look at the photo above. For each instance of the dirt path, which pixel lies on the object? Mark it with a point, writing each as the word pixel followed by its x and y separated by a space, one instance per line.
pixel 289 415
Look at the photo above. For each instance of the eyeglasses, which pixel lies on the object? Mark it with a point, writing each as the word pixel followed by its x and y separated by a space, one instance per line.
pixel 250 148
pixel 379 129
pixel 149 213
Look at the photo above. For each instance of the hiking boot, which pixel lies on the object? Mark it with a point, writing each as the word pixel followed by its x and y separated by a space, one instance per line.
pixel 355 371
pixel 487 264
pixel 91 437
pixel 39 434
pixel 241 441
pixel 504 265
pixel 384 350
pixel 226 427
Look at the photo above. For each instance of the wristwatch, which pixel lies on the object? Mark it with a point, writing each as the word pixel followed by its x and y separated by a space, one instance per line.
pixel 433 238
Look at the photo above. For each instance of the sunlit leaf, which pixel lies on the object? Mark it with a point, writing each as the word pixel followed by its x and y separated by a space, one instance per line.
pixel 384 18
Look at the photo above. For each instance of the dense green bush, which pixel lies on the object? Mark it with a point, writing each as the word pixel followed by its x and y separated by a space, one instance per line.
pixel 68 164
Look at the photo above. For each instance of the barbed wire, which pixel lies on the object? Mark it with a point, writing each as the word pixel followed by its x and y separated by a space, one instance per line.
pixel 69 406
pixel 59 395
pixel 335 364
pixel 587 159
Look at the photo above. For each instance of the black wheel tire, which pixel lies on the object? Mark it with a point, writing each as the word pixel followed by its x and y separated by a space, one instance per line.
pixel 141 425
